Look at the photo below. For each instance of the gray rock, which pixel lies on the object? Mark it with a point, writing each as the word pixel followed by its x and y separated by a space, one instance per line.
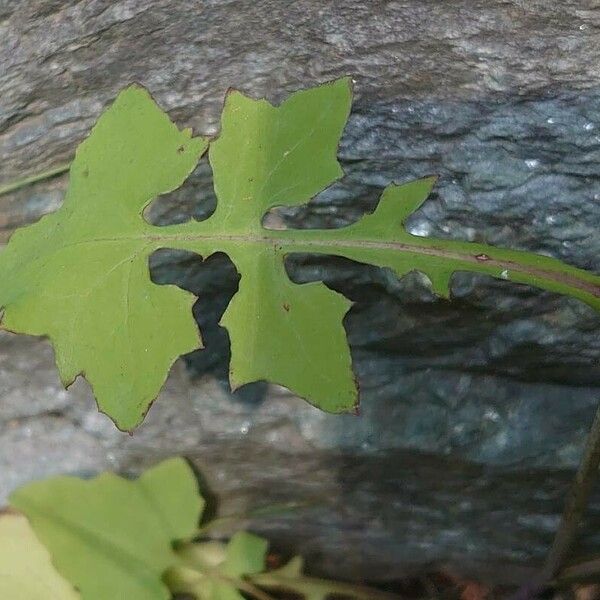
pixel 363 515
pixel 472 411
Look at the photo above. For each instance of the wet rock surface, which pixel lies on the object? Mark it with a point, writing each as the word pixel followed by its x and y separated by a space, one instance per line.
pixel 472 411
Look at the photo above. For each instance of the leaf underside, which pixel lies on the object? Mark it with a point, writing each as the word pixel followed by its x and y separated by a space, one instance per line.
pixel 80 276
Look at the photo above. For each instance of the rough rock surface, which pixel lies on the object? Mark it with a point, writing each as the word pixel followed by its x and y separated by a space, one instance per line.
pixel 502 100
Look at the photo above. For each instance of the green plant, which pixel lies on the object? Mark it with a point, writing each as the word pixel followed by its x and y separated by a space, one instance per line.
pixel 80 276
pixel 109 537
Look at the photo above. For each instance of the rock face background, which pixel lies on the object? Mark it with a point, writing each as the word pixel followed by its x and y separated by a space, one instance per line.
pixel 474 411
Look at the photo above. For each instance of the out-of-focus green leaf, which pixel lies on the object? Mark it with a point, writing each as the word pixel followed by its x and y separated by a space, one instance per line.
pixel 112 537
pixel 26 570
pixel 215 571
pixel 246 554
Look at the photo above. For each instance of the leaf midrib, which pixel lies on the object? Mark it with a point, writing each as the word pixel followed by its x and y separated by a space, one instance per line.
pixel 475 257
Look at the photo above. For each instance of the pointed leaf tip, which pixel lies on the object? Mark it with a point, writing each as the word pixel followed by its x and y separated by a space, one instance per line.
pixel 395 205
pixel 440 281
pixel 407 198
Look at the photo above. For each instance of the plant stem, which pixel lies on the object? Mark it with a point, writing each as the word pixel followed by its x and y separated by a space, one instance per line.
pixel 21 183
pixel 275 581
pixel 251 589
pixel 576 502
pixel 193 581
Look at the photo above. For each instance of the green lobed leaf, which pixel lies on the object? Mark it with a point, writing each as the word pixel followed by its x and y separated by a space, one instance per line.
pixel 111 537
pixel 80 276
pixel 26 570
pixel 280 331
pixel 292 334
